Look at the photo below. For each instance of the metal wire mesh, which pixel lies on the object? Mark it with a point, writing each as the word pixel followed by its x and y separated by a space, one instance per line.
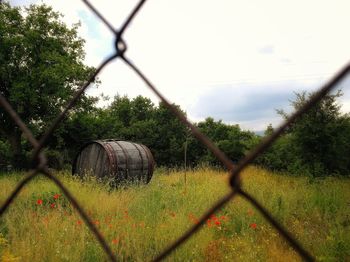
pixel 234 170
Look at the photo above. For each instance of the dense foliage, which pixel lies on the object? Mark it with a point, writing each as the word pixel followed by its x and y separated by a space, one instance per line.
pixel 139 120
pixel 318 144
pixel 41 65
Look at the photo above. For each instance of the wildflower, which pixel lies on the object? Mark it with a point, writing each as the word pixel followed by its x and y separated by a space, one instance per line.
pixel 39 201
pixel 115 241
pixel 213 217
pixel 96 222
pixel 217 222
pixel 79 222
pixel 253 225
pixel 209 223
pixel 224 218
pixel 52 205
pixel 56 196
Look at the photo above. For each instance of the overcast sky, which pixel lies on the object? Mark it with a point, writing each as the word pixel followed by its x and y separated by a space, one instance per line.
pixel 233 60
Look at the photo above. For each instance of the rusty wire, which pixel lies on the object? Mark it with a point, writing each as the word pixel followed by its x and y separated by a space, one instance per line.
pixel 234 170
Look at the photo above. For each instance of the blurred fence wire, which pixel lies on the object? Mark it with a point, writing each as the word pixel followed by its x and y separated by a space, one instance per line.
pixel 234 170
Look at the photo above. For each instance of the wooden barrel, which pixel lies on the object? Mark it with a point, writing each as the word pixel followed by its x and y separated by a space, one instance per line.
pixel 120 160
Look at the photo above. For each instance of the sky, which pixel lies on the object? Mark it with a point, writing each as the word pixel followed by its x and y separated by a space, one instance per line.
pixel 237 61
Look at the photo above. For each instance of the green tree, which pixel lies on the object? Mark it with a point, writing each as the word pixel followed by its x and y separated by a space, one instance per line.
pixel 229 138
pixel 120 109
pixel 280 156
pixel 142 109
pixel 320 138
pixel 156 127
pixel 170 135
pixel 41 65
pixel 85 126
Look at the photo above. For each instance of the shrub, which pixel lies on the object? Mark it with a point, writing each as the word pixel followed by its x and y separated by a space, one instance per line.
pixel 55 159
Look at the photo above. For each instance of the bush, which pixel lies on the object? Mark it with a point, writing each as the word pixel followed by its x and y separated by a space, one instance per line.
pixel 55 159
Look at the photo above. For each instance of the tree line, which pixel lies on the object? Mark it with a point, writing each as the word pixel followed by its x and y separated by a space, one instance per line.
pixel 315 145
pixel 138 120
pixel 41 66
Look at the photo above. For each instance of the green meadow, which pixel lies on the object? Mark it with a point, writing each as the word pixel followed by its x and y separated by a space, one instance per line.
pixel 139 221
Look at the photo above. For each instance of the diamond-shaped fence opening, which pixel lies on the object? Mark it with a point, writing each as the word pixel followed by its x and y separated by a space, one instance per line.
pixel 234 170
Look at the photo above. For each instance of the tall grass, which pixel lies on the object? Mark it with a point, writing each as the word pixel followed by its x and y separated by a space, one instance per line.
pixel 139 221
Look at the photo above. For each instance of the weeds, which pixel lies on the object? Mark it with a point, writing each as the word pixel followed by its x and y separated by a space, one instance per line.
pixel 140 220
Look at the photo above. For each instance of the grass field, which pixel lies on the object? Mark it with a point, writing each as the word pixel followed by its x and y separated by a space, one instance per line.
pixel 140 221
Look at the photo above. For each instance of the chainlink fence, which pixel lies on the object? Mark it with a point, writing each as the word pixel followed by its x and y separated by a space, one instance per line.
pixel 234 170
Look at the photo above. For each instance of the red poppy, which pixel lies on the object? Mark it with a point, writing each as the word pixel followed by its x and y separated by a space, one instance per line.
pixel 217 222
pixel 79 222
pixel 96 222
pixel 56 196
pixel 39 201
pixel 209 223
pixel 52 205
pixel 214 217
pixel 253 225
pixel 115 241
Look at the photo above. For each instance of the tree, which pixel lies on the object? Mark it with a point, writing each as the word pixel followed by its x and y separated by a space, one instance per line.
pixel 280 156
pixel 229 138
pixel 170 136
pixel 320 138
pixel 120 109
pixel 41 65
